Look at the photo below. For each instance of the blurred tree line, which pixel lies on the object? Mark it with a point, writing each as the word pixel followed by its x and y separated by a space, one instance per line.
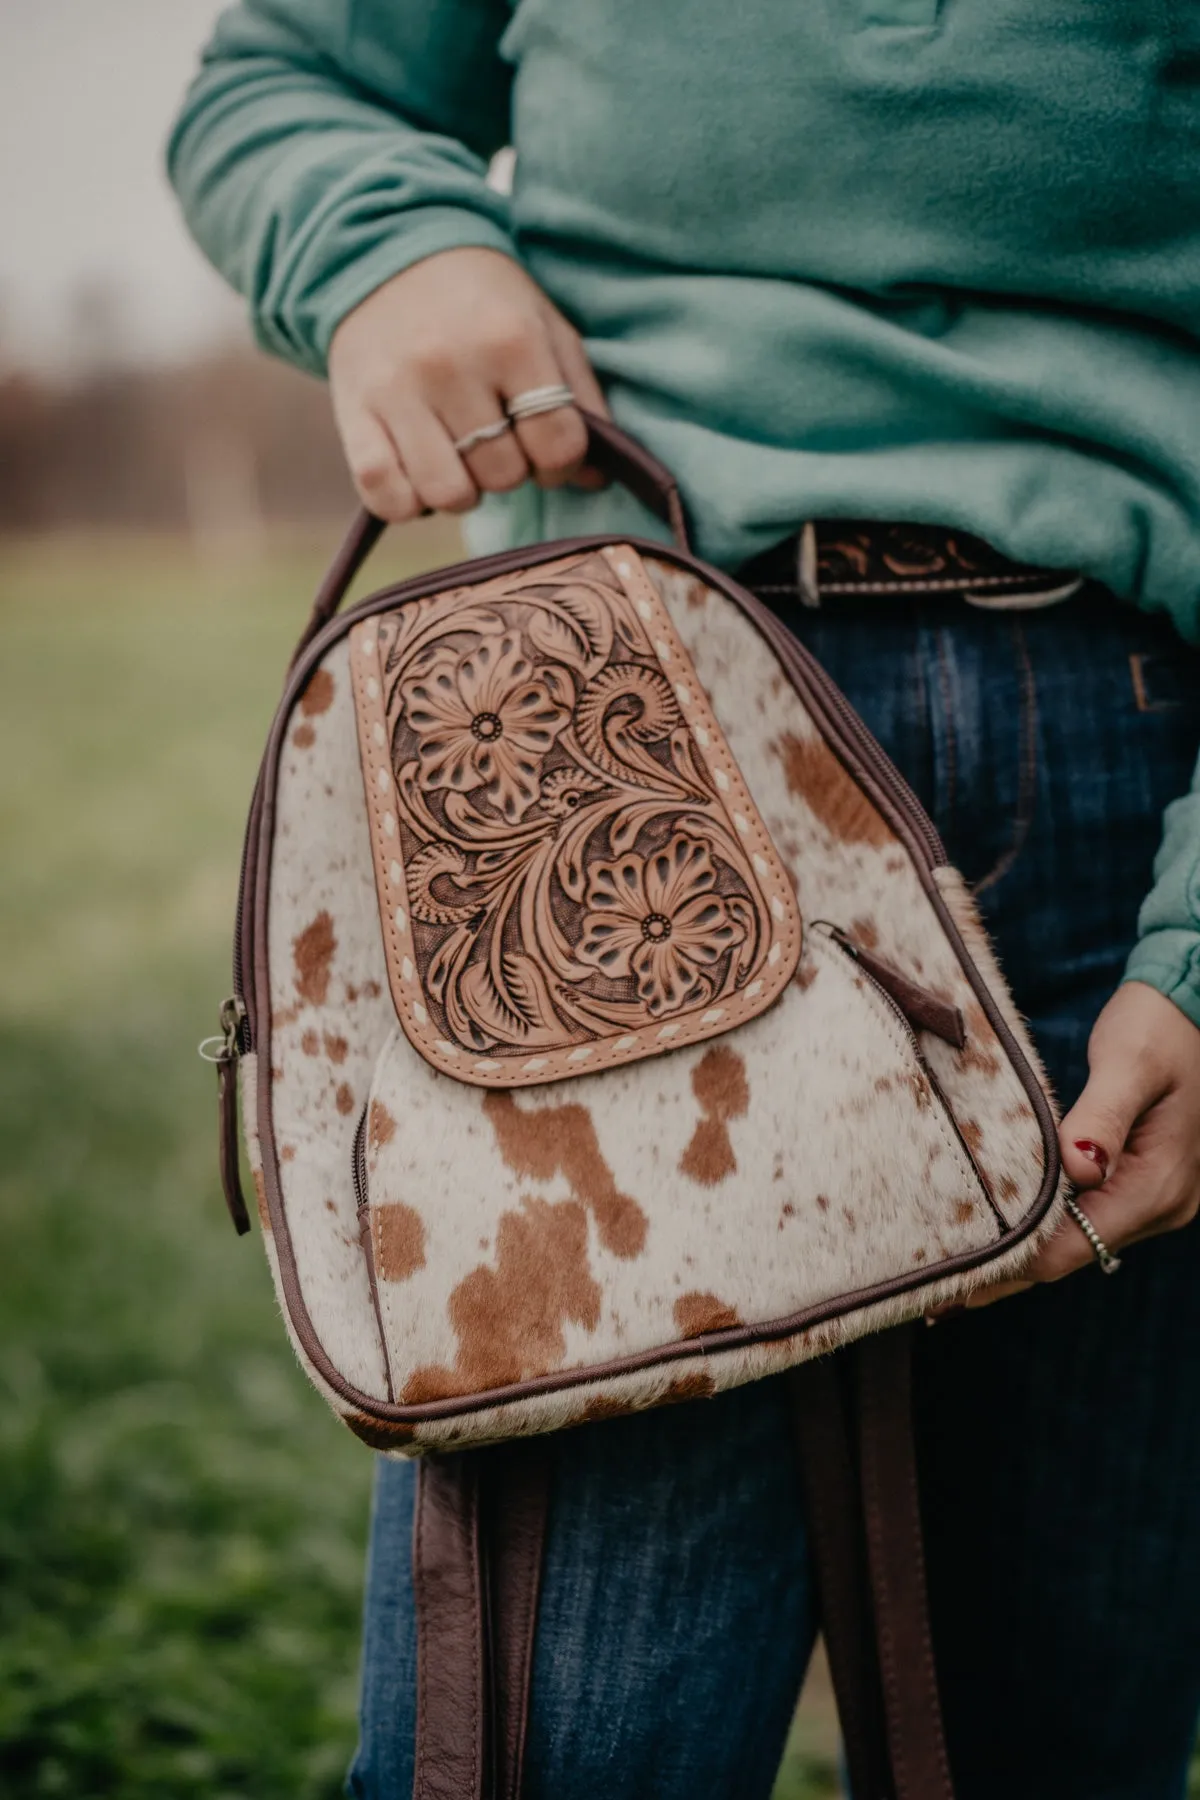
pixel 220 448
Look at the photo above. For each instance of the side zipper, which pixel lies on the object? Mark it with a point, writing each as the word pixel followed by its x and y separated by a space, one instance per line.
pixel 362 1202
pixel 924 1011
pixel 225 1051
pixel 866 964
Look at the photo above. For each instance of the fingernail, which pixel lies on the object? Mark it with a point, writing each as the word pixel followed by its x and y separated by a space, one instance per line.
pixel 1094 1153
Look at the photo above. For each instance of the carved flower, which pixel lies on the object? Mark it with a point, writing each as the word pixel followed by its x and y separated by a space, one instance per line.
pixel 485 719
pixel 564 791
pixel 660 919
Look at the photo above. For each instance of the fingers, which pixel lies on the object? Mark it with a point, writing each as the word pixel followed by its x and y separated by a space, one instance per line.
pixel 577 370
pixel 436 353
pixel 382 485
pixel 1095 1131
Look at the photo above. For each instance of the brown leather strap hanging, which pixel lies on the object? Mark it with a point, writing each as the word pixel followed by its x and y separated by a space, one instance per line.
pixel 896 1558
pixel 517 1495
pixel 477 1556
pixel 448 1587
pixel 854 1415
pixel 823 1403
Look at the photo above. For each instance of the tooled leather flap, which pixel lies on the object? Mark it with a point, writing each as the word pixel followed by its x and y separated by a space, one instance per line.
pixel 571 872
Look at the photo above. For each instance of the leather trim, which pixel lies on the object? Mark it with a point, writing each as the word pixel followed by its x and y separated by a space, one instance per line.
pixel 871 768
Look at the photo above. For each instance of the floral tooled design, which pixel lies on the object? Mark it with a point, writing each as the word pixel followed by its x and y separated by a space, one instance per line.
pixel 486 719
pixel 559 863
pixel 660 919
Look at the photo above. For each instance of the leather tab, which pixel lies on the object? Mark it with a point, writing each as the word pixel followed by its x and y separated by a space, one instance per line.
pixel 923 1010
pixel 227 1139
pixel 448 1587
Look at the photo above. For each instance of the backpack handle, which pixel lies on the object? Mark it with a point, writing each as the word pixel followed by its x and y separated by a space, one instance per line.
pixel 610 450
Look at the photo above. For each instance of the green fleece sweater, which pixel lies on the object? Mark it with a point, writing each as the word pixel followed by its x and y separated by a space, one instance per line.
pixel 906 259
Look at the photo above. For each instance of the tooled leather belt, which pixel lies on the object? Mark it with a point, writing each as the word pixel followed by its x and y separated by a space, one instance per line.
pixel 833 559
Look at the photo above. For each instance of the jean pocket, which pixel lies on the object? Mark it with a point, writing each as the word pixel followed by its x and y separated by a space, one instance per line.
pixel 1162 681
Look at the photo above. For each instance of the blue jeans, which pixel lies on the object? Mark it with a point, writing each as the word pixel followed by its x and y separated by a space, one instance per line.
pixel 1059 1432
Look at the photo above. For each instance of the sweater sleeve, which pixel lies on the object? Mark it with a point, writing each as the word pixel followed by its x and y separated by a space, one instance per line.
pixel 1167 954
pixel 325 145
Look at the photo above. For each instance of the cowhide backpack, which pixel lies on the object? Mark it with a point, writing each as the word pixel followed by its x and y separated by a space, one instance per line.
pixel 612 1030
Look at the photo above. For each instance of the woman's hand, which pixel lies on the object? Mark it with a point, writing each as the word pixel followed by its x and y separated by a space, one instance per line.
pixel 438 351
pixel 1131 1142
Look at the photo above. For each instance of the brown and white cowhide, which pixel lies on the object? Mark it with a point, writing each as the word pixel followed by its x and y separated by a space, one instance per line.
pixel 531 1236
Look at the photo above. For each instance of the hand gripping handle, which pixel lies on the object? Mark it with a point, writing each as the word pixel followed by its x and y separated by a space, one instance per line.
pixel 610 450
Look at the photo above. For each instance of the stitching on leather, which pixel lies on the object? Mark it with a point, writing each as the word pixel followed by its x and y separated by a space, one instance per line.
pixel 677 1032
pixel 934 584
pixel 1027 765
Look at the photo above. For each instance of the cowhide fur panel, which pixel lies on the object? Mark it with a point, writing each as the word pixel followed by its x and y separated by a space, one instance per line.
pixel 799 1158
pixel 570 1246
pixel 330 1012
pixel 850 868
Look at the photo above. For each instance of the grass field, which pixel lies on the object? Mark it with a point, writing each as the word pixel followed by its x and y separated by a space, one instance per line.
pixel 181 1520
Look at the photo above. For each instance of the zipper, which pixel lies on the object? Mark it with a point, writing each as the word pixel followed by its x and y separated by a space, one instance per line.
pixel 362 1208
pixel 359 1164
pixel 862 963
pixel 224 1051
pixel 850 950
pixel 924 1011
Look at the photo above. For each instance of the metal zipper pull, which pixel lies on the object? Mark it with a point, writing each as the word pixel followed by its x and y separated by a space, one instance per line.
pixel 224 1052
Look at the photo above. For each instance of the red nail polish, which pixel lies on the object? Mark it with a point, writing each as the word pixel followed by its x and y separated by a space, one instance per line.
pixel 1094 1153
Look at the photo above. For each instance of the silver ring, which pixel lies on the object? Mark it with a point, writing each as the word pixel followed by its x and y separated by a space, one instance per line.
pixel 1109 1262
pixel 540 400
pixel 482 434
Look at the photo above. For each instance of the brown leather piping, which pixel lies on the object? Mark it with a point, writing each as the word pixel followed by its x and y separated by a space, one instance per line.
pixel 865 761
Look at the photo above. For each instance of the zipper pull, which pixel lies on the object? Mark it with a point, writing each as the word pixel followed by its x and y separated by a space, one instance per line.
pixel 224 1051
pixel 923 1010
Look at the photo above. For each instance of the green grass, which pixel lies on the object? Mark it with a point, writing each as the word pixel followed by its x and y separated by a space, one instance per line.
pixel 181 1520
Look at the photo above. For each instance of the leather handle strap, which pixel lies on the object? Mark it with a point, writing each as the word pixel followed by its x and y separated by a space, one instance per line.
pixel 448 1588
pixel 477 1558
pixel 477 1555
pixel 854 1415
pixel 518 1504
pixel 896 1558
pixel 610 450
pixel 822 1406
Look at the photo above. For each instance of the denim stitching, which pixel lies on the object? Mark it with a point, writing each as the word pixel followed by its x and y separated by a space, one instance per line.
pixel 1027 774
pixel 951 734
